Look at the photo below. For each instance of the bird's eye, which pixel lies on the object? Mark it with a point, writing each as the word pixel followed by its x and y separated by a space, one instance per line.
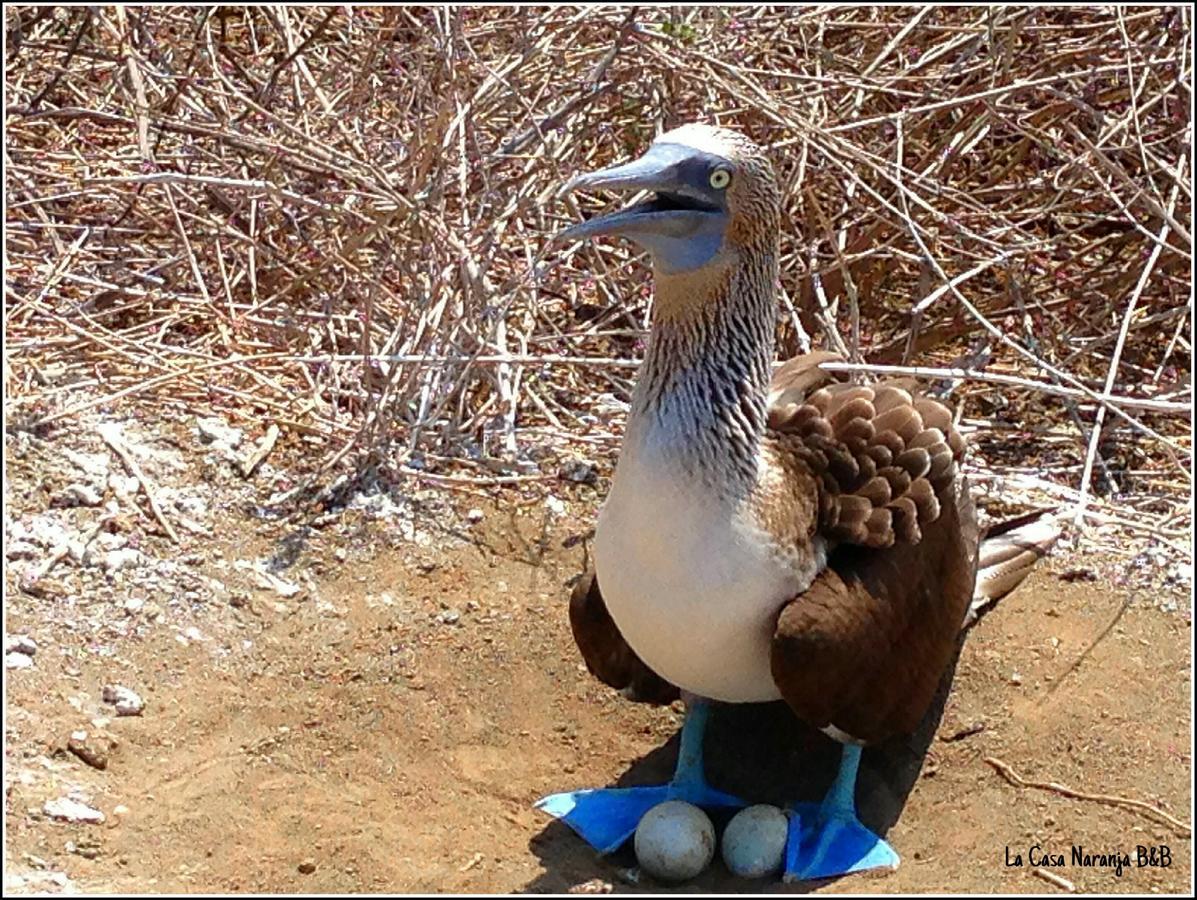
pixel 720 179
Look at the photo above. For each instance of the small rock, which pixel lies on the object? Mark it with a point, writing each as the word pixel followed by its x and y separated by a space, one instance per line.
pixel 271 582
pixel 17 549
pixel 78 495
pixel 72 811
pixel 219 433
pixel 91 463
pixel 124 486
pixel 628 875
pixel 91 748
pixel 307 867
pixel 593 886
pixel 126 701
pixel 38 882
pixel 555 505
pixel 88 848
pixel 17 661
pixel 1015 678
pixel 192 506
pixel 579 471
pixel 449 617
pixel 126 558
pixel 20 643
pixel 474 515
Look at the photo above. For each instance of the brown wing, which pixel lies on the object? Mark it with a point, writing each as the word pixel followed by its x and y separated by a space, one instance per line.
pixel 883 456
pixel 864 648
pixel 606 653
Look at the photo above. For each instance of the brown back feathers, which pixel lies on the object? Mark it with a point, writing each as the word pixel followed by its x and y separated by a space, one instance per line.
pixel 864 647
pixel 885 456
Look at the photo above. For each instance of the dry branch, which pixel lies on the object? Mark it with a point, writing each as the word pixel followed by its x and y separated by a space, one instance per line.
pixel 338 220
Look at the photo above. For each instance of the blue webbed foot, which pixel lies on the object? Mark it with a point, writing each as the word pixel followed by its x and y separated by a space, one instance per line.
pixel 607 817
pixel 823 845
pixel 827 839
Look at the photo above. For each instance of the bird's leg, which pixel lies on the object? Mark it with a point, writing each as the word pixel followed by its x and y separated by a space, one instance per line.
pixel 689 777
pixel 607 817
pixel 827 839
pixel 689 770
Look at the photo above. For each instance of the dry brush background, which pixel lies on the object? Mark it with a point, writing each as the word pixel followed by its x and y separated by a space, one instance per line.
pixel 336 220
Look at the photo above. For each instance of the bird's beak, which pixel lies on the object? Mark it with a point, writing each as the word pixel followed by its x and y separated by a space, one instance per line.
pixel 677 210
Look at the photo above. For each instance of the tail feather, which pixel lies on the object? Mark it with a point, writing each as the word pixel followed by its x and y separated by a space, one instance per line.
pixel 1009 551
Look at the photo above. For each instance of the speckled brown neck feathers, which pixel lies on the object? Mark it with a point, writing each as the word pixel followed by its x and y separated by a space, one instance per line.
pixel 701 394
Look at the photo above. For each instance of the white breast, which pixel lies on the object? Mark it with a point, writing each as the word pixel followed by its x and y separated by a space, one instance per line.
pixel 692 581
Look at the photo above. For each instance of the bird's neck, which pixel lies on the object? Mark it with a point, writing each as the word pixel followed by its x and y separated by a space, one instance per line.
pixel 700 398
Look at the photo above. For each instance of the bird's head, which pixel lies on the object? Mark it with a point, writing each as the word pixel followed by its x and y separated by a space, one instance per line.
pixel 713 194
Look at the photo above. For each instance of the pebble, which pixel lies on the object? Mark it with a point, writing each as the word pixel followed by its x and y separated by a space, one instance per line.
pixel 307 867
pixel 17 661
pixel 474 515
pixel 579 471
pixel 449 617
pixel 90 748
pixel 88 849
pixel 126 558
pixel 126 701
pixel 20 643
pixel 38 882
pixel 18 549
pixel 593 886
pixel 72 811
pixel 78 495
pixel 193 506
pixel 123 486
pixel 219 433
pixel 91 463
pixel 271 582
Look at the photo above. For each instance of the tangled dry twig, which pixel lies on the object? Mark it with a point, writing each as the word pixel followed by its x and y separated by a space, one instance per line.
pixel 336 219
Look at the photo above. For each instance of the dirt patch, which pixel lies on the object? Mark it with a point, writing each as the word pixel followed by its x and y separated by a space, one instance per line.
pixel 388 725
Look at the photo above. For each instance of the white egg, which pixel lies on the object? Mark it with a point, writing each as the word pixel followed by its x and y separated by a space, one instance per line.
pixel 675 841
pixel 754 842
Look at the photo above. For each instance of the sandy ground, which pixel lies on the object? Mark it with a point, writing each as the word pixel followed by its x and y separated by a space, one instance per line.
pixel 388 725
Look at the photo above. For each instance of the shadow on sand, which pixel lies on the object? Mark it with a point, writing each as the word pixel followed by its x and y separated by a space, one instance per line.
pixel 763 753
